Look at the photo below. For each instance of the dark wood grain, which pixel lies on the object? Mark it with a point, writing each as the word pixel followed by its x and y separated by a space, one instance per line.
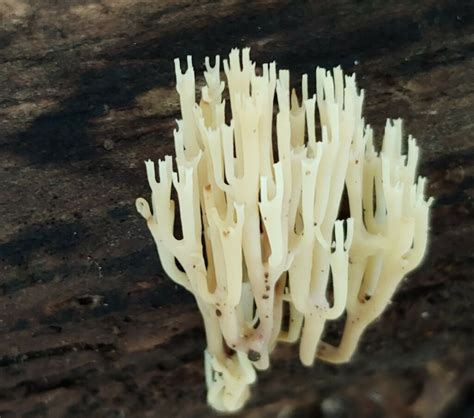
pixel 89 324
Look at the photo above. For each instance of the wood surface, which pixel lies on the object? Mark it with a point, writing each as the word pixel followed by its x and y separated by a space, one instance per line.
pixel 89 324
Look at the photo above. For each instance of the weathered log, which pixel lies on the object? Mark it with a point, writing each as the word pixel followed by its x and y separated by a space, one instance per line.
pixel 89 324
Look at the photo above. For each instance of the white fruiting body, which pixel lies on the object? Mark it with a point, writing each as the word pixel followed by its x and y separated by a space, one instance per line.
pixel 260 232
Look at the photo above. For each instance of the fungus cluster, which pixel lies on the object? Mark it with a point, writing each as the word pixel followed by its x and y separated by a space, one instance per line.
pixel 262 249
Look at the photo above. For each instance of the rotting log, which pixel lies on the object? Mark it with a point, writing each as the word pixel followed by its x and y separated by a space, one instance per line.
pixel 89 325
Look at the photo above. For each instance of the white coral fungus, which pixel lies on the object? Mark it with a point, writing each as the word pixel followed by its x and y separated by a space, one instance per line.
pixel 262 250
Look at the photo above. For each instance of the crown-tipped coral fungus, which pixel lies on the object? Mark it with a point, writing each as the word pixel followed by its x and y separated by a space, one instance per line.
pixel 260 224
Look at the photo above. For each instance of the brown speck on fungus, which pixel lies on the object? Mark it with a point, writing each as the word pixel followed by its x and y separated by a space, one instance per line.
pixel 253 355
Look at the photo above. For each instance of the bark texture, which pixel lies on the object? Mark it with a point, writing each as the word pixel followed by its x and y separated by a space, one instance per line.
pixel 89 324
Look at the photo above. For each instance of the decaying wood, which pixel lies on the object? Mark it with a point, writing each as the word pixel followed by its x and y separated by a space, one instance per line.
pixel 89 325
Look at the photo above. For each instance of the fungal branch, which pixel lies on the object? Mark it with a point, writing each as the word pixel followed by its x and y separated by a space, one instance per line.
pixel 390 231
pixel 261 242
